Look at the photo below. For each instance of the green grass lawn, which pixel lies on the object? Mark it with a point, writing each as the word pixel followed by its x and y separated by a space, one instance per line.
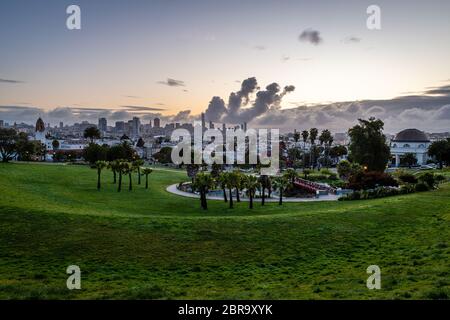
pixel 155 245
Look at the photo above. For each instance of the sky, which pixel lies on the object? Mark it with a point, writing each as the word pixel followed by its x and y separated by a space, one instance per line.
pixel 175 59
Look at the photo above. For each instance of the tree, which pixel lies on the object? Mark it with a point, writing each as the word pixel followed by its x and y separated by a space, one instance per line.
pixel 326 139
pixel 202 183
pixel 140 143
pixel 337 151
pixel 25 148
pixel 409 159
pixel 146 172
pixel 92 133
pixel 221 180
pixel 94 152
pixel 291 175
pixel 137 166
pixel 8 139
pixel 368 145
pixel 281 184
pixel 264 183
pixel 313 132
pixel 251 183
pixel 100 165
pixel 55 144
pixel 123 168
pixel 346 169
pixel 238 180
pixel 306 173
pixel 440 150
pixel 192 170
pixel 296 137
pixel 164 155
pixel 112 165
pixel 229 183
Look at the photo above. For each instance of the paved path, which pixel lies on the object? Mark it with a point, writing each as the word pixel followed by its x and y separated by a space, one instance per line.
pixel 173 189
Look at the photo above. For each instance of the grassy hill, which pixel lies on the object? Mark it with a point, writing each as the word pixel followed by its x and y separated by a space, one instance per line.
pixel 155 245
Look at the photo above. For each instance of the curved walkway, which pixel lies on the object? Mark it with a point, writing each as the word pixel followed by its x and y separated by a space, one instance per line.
pixel 173 189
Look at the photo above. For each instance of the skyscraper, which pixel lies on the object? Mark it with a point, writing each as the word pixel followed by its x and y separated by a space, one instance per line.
pixel 203 122
pixel 1 124
pixel 61 125
pixel 136 127
pixel 102 124
pixel 156 123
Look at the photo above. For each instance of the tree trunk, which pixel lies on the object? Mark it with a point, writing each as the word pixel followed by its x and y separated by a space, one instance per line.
pixel 205 203
pixel 130 187
pixel 120 182
pixel 263 196
pixel 225 195
pixel 114 173
pixel 139 175
pixel 281 197
pixel 146 181
pixel 231 199
pixel 251 200
pixel 238 198
pixel 98 179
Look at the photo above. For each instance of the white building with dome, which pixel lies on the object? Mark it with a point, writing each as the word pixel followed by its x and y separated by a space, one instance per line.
pixel 410 141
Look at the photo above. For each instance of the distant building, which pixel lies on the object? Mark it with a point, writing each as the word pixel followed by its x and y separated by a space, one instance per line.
pixel 119 127
pixel 1 123
pixel 102 125
pixel 40 131
pixel 410 141
pixel 136 127
pixel 157 123
pixel 61 125
pixel 203 122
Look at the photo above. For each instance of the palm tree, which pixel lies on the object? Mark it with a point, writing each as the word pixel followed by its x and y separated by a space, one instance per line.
pixel 313 132
pixel 305 135
pixel 264 181
pixel 114 166
pixel 100 165
pixel 238 180
pixel 203 182
pixel 325 138
pixel 137 165
pixel 124 168
pixel 222 181
pixel 281 184
pixel 251 183
pixel 92 133
pixel 229 184
pixel 296 137
pixel 146 172
pixel 291 175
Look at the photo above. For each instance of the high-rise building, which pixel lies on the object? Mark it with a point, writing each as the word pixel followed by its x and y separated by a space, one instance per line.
pixel 1 123
pixel 136 127
pixel 211 125
pixel 203 122
pixel 156 123
pixel 102 124
pixel 61 125
pixel 120 127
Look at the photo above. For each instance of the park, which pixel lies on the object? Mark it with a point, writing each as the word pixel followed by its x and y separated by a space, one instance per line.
pixel 151 244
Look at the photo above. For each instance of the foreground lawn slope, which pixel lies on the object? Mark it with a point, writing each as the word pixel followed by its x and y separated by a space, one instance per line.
pixel 150 244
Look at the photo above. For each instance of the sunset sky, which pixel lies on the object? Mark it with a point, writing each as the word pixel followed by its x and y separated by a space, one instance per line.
pixel 127 51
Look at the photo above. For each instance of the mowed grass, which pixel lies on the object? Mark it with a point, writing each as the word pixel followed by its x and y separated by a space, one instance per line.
pixel 150 244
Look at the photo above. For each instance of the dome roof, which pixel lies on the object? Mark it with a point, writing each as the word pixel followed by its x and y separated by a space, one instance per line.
pixel 40 126
pixel 411 135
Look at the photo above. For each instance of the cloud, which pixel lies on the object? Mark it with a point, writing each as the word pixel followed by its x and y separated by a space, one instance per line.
pixel 173 83
pixel 285 58
pixel 350 40
pixel 141 108
pixel 10 81
pixel 239 108
pixel 260 48
pixel 311 36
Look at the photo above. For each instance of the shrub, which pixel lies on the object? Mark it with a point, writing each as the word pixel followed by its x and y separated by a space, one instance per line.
pixel 370 180
pixel 407 178
pixel 420 187
pixel 429 179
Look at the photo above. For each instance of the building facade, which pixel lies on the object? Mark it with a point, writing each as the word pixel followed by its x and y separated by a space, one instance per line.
pixel 410 141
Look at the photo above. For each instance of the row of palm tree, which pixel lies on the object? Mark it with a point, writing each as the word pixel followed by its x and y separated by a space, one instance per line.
pixel 122 168
pixel 234 182
pixel 325 139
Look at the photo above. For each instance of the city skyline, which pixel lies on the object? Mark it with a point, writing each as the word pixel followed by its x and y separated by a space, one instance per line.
pixel 170 60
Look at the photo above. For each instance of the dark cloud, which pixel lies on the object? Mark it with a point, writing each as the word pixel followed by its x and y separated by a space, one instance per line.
pixel 10 81
pixel 216 109
pixel 173 83
pixel 311 36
